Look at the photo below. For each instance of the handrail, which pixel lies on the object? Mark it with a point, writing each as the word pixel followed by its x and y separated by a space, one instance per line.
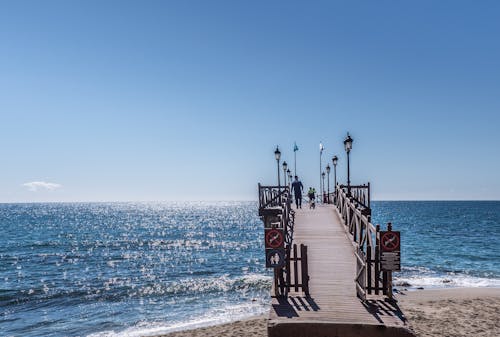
pixel 272 196
pixel 360 194
pixel 275 208
pixel 357 221
pixel 356 218
pixel 277 200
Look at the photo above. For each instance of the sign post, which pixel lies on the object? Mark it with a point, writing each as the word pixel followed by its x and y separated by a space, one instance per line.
pixel 274 239
pixel 390 252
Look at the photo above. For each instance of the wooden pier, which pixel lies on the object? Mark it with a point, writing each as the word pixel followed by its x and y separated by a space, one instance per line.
pixel 339 289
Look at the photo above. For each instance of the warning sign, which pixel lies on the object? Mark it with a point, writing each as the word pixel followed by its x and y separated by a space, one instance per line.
pixel 275 258
pixel 390 241
pixel 274 238
pixel 390 261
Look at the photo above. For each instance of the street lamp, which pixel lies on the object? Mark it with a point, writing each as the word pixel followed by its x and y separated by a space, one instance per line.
pixel 323 185
pixel 321 148
pixel 285 166
pixel 348 147
pixel 334 161
pixel 277 155
pixel 289 176
pixel 328 180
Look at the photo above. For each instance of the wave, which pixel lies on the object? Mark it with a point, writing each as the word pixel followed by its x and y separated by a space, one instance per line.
pixel 222 283
pixel 420 277
pixel 217 316
pixel 116 289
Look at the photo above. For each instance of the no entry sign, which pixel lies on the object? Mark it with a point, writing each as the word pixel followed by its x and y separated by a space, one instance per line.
pixel 274 238
pixel 390 241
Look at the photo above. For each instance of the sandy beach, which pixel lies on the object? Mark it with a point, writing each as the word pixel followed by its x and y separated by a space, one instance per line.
pixel 439 313
pixel 453 312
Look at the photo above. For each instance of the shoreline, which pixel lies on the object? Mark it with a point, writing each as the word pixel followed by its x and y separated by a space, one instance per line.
pixel 468 311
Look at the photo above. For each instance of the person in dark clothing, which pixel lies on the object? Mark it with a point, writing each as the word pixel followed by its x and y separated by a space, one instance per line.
pixel 297 189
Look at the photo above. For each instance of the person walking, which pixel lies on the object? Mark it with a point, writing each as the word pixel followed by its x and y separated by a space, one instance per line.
pixel 312 196
pixel 297 189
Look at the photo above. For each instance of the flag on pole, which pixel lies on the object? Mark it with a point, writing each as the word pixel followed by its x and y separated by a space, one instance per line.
pixel 321 147
pixel 295 147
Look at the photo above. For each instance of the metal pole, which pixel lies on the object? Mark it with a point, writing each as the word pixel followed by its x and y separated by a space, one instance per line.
pixel 284 177
pixel 278 162
pixel 335 180
pixel 295 162
pixel 323 186
pixel 328 187
pixel 348 177
pixel 320 171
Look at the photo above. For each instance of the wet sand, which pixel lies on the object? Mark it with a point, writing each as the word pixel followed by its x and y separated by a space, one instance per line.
pixel 437 313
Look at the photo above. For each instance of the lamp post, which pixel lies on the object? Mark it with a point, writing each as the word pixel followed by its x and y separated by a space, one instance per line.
pixel 277 155
pixel 334 161
pixel 348 147
pixel 289 176
pixel 285 166
pixel 323 185
pixel 321 148
pixel 328 181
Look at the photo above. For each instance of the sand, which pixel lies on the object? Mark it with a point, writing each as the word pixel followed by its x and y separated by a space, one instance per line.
pixel 453 312
pixel 437 313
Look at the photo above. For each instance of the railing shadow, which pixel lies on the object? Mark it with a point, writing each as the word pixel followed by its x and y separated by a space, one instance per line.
pixel 382 308
pixel 291 305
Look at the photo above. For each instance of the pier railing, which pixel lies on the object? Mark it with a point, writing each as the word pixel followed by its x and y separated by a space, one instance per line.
pixel 273 196
pixel 355 212
pixel 360 195
pixel 275 209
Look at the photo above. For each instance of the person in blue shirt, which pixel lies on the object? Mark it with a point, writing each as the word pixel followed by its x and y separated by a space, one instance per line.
pixel 297 189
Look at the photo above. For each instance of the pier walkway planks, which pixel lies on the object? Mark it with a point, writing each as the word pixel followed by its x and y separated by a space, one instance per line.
pixel 333 309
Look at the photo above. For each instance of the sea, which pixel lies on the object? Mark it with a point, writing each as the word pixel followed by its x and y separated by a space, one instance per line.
pixel 138 269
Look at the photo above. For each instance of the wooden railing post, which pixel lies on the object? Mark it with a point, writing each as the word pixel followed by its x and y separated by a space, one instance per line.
pixel 295 265
pixel 304 269
pixel 361 230
pixel 369 268
pixel 288 271
pixel 282 282
pixel 388 274
pixel 276 288
pixel 389 284
pixel 369 196
pixel 377 259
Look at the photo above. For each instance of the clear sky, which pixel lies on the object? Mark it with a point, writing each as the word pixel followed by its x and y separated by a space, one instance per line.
pixel 187 100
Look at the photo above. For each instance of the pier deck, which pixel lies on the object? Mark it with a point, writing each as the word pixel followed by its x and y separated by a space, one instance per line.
pixel 332 309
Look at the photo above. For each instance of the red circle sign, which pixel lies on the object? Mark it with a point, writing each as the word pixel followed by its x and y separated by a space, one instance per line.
pixel 390 241
pixel 274 238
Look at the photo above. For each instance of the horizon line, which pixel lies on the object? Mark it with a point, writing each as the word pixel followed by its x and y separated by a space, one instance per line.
pixel 220 200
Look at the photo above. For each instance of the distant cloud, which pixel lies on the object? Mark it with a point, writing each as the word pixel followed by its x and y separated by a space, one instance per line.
pixel 41 185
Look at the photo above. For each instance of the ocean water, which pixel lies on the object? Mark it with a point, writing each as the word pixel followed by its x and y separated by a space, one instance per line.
pixel 445 243
pixel 132 269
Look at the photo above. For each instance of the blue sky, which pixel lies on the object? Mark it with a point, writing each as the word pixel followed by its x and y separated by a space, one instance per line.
pixel 152 100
